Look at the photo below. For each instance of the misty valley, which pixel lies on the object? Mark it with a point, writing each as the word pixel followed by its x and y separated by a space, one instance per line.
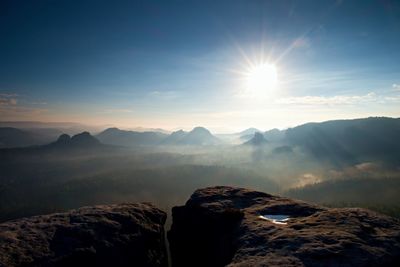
pixel 343 163
pixel 200 133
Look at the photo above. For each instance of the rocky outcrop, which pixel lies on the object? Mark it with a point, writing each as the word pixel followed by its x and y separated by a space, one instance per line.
pixel 112 235
pixel 218 226
pixel 222 226
pixel 82 140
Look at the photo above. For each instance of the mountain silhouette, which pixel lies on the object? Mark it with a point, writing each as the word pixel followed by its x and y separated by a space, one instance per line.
pixel 257 140
pixel 174 138
pixel 115 136
pixel 13 137
pixel 64 139
pixel 274 135
pixel 84 139
pixel 247 134
pixel 199 136
pixel 81 141
pixel 249 131
pixel 349 141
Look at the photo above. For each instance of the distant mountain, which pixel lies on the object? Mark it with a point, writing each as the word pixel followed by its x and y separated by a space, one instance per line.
pixel 199 136
pixel 12 137
pixel 83 143
pixel 350 141
pixel 248 134
pixel 246 137
pixel 143 129
pixel 115 136
pixel 174 138
pixel 48 127
pixel 257 140
pixel 249 131
pixel 82 140
pixel 275 135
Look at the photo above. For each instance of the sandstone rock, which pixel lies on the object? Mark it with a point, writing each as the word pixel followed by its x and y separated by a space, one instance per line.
pixel 112 235
pixel 222 226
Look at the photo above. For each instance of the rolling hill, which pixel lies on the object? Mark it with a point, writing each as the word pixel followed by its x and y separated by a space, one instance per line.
pixel 13 137
pixel 349 141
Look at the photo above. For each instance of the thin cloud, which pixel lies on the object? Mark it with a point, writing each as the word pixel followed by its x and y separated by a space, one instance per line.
pixel 396 87
pixel 164 95
pixel 7 95
pixel 19 111
pixel 10 107
pixel 329 100
pixel 8 100
pixel 112 111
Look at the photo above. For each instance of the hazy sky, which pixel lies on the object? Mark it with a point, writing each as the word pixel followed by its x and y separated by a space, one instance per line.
pixel 179 64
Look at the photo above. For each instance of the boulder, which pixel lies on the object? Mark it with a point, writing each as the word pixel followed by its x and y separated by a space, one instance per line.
pixel 226 226
pixel 111 235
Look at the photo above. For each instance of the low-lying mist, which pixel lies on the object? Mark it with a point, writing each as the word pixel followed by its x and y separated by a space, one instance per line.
pixel 37 183
pixel 336 163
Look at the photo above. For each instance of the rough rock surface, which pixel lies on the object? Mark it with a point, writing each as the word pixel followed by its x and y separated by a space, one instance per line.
pixel 112 235
pixel 221 226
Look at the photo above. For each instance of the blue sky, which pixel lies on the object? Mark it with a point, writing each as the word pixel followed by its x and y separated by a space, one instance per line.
pixel 179 64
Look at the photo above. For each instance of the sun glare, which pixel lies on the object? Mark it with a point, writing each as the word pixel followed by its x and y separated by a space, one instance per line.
pixel 262 77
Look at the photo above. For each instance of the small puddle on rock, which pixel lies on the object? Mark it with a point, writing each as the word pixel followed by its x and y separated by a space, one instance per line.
pixel 277 219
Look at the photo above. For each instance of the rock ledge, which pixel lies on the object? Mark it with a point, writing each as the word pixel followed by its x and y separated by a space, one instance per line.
pixel 112 235
pixel 221 226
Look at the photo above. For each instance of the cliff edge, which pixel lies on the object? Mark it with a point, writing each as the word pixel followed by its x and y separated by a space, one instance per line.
pixel 226 226
pixel 111 235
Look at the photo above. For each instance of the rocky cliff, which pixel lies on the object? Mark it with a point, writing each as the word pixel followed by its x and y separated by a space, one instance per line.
pixel 218 226
pixel 221 226
pixel 113 235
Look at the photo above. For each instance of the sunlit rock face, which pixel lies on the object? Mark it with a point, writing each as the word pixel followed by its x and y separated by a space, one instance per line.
pixel 112 235
pixel 225 226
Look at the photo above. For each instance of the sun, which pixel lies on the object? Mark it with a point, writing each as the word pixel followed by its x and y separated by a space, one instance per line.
pixel 262 77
